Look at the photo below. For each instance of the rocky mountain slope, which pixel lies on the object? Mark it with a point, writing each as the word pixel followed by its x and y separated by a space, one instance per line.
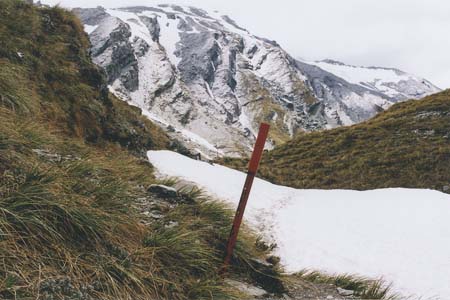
pixel 212 82
pixel 406 146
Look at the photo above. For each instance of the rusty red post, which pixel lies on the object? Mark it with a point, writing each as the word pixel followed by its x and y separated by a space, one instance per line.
pixel 252 169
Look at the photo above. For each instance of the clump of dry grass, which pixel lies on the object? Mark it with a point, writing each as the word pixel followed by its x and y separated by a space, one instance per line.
pixel 363 288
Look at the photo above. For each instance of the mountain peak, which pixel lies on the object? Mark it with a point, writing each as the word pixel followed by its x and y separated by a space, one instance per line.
pixel 213 82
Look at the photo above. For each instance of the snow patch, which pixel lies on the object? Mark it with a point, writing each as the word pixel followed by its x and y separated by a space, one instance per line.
pixel 201 141
pixel 89 28
pixel 357 75
pixel 402 235
pixel 169 34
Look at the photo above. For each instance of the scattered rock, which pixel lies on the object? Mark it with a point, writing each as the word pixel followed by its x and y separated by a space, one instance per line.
pixel 265 275
pixel 163 191
pixel 246 288
pixel 446 188
pixel 155 215
pixel 263 246
pixel 54 157
pixel 344 292
pixel 171 224
pixel 424 133
pixel 63 288
pixel 48 155
pixel 273 260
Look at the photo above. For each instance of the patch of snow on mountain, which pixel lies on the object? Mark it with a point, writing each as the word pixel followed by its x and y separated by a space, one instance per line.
pixel 89 28
pixel 169 36
pixel 201 141
pixel 245 122
pixel 358 75
pixel 402 235
pixel 353 101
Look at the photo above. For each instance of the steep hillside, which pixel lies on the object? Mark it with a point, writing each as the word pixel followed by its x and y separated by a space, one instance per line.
pixel 212 81
pixel 46 72
pixel 406 146
pixel 77 220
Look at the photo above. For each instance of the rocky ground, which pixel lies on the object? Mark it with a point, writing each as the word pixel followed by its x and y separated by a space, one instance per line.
pixel 296 289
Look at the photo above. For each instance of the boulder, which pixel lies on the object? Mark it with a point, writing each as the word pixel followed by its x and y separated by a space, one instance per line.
pixel 163 191
pixel 273 260
pixel 266 276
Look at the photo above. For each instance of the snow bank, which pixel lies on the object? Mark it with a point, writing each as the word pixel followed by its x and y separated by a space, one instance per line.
pixel 402 235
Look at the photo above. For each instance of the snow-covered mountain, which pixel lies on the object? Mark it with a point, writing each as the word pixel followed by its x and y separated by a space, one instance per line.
pixel 212 82
pixel 388 81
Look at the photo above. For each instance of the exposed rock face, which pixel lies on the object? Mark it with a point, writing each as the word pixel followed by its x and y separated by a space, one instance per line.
pixel 91 16
pixel 114 51
pixel 152 26
pixel 213 82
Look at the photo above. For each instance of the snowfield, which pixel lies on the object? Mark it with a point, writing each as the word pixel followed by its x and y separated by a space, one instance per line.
pixel 402 235
pixel 385 80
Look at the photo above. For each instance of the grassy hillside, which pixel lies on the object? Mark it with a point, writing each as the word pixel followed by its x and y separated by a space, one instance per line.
pixel 46 73
pixel 406 146
pixel 76 220
pixel 74 224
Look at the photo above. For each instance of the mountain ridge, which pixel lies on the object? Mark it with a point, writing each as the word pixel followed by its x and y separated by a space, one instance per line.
pixel 202 73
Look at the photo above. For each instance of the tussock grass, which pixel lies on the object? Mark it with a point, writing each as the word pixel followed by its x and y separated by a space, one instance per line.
pixel 69 215
pixel 364 288
pixel 73 221
pixel 71 172
pixel 213 220
pixel 46 72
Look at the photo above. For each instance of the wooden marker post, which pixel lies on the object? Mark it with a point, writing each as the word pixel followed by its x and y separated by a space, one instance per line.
pixel 252 169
